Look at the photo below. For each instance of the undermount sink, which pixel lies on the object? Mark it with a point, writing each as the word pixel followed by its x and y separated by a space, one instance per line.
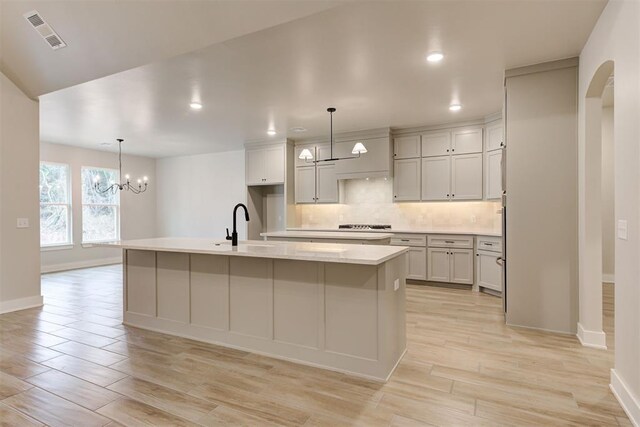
pixel 248 245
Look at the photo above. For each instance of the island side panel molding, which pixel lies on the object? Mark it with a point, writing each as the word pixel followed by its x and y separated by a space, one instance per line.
pixel 351 310
pixel 251 296
pixel 210 291
pixel 172 286
pixel 296 309
pixel 141 282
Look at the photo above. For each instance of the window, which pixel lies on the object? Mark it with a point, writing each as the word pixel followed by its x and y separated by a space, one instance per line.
pixel 55 205
pixel 100 211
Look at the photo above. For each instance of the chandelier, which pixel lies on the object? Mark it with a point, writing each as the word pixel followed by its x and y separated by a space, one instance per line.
pixel 121 186
pixel 358 148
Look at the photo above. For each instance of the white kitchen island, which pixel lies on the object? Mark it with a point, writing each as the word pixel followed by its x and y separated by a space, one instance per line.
pixel 335 306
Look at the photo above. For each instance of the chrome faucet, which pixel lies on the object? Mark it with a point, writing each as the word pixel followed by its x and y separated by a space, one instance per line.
pixel 234 234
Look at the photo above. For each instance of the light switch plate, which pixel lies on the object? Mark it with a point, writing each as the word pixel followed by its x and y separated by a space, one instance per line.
pixel 396 284
pixel 23 223
pixel 622 229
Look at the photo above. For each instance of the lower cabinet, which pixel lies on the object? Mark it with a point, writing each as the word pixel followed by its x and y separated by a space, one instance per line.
pixel 450 265
pixel 417 264
pixel 488 272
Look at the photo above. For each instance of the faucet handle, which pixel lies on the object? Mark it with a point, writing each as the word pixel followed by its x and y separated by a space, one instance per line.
pixel 228 237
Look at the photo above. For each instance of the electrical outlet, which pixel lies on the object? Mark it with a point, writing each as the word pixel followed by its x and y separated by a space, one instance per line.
pixel 622 229
pixel 23 223
pixel 474 219
pixel 396 284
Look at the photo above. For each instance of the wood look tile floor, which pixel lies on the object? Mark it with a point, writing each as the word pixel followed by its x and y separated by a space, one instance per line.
pixel 72 362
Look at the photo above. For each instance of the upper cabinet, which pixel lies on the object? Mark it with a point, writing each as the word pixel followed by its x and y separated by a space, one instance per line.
pixel 493 175
pixel 377 161
pixel 436 144
pixel 315 182
pixel 406 147
pixel 406 180
pixel 494 136
pixel 265 165
pixel 466 177
pixel 466 141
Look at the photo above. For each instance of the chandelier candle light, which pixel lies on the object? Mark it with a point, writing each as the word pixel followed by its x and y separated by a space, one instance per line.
pixel 358 148
pixel 113 188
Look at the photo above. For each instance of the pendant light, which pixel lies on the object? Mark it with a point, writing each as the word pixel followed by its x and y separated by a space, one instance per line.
pixel 358 148
pixel 121 186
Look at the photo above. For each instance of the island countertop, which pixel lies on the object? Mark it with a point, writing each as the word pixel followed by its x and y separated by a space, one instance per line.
pixel 302 251
pixel 337 235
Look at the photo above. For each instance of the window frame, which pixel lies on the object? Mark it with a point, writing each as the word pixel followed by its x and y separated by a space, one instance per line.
pixel 89 243
pixel 69 205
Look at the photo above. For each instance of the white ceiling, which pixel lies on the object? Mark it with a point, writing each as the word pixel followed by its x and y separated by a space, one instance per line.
pixel 365 58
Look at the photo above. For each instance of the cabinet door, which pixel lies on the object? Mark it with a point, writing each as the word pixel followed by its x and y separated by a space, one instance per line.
pixel 436 144
pixel 323 151
pixel 461 266
pixel 465 141
pixel 493 177
pixel 406 147
pixel 417 264
pixel 438 269
pixel 305 184
pixel 274 164
pixel 488 272
pixel 466 177
pixel 406 180
pixel 436 177
pixel 255 167
pixel 494 138
pixel 326 183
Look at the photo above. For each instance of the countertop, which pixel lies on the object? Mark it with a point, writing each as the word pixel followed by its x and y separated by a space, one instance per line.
pixel 299 251
pixel 313 234
pixel 459 231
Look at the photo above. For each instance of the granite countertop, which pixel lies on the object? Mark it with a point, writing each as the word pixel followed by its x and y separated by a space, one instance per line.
pixel 299 251
pixel 313 234
pixel 459 231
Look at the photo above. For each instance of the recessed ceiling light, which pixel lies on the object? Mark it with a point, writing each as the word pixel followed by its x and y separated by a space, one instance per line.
pixel 105 144
pixel 271 132
pixel 298 129
pixel 455 107
pixel 195 106
pixel 435 57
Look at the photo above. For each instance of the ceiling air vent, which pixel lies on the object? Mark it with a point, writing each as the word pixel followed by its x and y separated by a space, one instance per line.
pixel 46 32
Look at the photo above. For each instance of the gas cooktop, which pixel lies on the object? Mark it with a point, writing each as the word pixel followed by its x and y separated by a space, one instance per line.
pixel 364 227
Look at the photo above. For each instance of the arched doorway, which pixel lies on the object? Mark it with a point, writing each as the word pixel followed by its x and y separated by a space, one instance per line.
pixel 590 326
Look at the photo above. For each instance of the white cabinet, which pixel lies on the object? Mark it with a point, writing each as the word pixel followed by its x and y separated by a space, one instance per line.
pixel 436 178
pixel 466 177
pixel 438 265
pixel 406 147
pixel 265 165
pixel 305 185
pixel 461 266
pixel 466 141
pixel 488 272
pixel 493 174
pixel 417 263
pixel 406 180
pixel 494 136
pixel 326 183
pixel 436 144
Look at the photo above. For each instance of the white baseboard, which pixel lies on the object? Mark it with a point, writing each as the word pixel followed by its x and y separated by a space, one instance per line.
pixel 593 339
pixel 609 278
pixel 627 400
pixel 80 264
pixel 20 304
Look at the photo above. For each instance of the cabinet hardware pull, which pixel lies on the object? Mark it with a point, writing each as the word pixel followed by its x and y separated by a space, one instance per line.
pixel 447 195
pixel 447 150
pixel 449 241
pixel 488 244
pixel 453 195
pixel 453 149
pixel 404 240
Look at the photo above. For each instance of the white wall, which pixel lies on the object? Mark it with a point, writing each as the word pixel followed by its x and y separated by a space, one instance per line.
pixel 19 248
pixel 616 36
pixel 608 202
pixel 197 194
pixel 542 203
pixel 137 212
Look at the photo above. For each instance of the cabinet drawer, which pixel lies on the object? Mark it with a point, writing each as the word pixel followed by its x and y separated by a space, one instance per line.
pixel 450 241
pixel 409 240
pixel 487 243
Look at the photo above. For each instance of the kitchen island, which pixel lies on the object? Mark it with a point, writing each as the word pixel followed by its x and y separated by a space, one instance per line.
pixel 335 306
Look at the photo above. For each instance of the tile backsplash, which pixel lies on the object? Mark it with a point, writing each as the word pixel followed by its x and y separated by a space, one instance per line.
pixel 369 201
